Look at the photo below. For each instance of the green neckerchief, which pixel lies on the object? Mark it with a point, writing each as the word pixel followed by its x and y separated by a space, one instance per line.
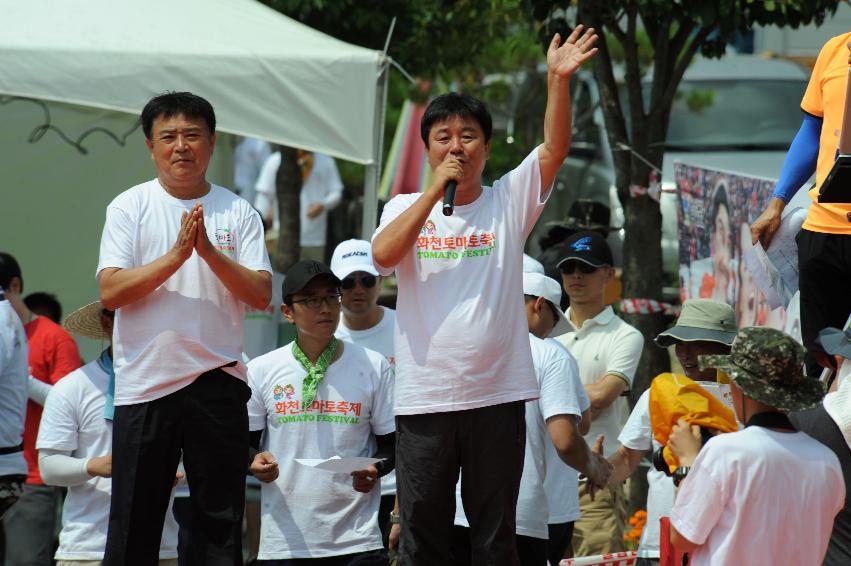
pixel 314 373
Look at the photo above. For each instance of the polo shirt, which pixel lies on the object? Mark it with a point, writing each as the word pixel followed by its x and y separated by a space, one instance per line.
pixel 604 345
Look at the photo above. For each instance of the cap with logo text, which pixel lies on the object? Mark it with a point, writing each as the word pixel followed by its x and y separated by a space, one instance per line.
pixel 351 256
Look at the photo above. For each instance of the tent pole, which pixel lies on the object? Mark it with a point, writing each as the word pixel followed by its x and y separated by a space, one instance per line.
pixel 373 170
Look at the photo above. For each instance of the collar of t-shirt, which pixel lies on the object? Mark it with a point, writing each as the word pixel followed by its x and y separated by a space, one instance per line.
pixel 603 318
pixel 770 419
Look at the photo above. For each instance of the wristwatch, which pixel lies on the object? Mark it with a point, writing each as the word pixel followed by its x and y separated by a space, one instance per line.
pixel 680 474
pixel 394 518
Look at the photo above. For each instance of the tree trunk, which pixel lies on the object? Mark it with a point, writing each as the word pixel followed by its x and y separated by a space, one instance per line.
pixel 288 188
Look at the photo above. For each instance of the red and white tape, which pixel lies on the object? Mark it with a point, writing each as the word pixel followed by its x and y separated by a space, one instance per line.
pixel 615 559
pixel 647 306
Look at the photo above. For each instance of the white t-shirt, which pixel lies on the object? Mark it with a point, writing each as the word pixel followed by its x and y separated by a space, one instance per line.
pixel 761 497
pixel 380 339
pixel 605 345
pixel 191 323
pixel 560 483
pixel 308 513
pixel 323 186
pixel 13 388
pixel 73 421
pixel 460 323
pixel 558 378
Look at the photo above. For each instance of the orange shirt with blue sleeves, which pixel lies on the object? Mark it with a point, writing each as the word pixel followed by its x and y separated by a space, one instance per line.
pixel 825 98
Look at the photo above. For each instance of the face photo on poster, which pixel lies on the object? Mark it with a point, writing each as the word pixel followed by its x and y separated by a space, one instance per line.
pixel 715 211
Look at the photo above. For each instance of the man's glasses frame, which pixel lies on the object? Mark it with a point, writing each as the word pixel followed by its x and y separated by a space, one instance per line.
pixel 315 303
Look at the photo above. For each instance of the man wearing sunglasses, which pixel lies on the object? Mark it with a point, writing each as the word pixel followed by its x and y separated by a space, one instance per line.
pixel 367 324
pixel 607 350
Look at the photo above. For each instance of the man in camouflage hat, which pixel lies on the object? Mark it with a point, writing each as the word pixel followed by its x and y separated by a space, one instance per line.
pixel 764 482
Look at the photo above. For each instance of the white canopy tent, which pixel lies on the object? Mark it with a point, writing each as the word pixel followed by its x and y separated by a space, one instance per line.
pixel 266 75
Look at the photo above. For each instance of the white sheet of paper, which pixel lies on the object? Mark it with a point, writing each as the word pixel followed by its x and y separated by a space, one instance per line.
pixel 783 251
pixel 337 464
pixel 766 278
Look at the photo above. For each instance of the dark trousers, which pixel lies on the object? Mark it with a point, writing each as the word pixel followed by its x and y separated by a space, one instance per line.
pixel 824 265
pixel 208 422
pixel 560 536
pixel 368 558
pixel 31 527
pixel 384 509
pixel 488 445
pixel 182 511
pixel 818 424
pixel 530 551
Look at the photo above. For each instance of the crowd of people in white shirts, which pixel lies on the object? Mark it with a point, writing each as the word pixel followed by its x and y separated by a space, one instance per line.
pixel 478 423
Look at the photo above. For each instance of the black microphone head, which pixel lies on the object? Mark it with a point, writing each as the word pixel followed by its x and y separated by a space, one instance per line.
pixel 449 197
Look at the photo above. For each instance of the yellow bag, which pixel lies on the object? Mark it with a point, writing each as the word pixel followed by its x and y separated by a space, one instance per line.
pixel 674 397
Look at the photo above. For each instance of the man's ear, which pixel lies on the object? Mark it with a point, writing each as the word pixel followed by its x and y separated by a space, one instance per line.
pixel 288 313
pixel 15 285
pixel 540 304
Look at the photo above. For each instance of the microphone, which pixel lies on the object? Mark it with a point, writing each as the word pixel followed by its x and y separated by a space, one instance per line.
pixel 449 197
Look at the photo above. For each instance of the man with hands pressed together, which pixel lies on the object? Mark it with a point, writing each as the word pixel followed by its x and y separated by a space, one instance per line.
pixel 316 398
pixel 179 260
pixel 463 362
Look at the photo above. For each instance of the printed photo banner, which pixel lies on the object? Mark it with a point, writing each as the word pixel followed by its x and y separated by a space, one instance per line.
pixel 714 214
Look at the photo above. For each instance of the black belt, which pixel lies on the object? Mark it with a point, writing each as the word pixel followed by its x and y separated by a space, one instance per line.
pixel 12 449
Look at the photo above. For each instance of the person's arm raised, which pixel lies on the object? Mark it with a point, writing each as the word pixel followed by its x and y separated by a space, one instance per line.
pixel 396 240
pixel 120 287
pixel 563 60
pixel 253 288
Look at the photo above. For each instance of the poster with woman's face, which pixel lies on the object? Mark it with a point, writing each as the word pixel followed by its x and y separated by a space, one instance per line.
pixel 716 209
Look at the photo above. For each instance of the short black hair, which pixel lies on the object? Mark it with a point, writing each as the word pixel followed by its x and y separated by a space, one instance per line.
pixel 9 269
pixel 453 104
pixel 44 304
pixel 171 104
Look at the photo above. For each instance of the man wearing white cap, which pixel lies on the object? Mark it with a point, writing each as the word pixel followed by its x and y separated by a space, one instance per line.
pixel 367 324
pixel 554 425
pixel 75 448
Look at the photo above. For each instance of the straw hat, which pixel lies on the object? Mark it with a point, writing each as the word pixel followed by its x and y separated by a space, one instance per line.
pixel 85 321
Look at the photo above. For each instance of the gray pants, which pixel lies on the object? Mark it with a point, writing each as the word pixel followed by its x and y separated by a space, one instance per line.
pixel 30 527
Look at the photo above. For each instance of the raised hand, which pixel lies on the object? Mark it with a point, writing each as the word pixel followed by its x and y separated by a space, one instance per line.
pixel 564 59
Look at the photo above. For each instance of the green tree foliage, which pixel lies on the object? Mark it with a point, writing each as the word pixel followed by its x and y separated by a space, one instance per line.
pixel 655 41
pixel 453 44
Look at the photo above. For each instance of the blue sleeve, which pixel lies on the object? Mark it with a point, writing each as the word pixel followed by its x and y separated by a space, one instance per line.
pixel 801 160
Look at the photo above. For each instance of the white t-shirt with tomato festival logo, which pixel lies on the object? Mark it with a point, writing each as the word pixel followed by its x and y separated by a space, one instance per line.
pixel 461 331
pixel 191 323
pixel 308 513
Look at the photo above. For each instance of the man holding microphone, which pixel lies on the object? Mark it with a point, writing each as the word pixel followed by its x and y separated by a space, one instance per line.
pixel 463 361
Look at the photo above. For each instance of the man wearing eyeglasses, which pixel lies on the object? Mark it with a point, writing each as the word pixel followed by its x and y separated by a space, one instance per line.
pixel 607 350
pixel 319 397
pixel 367 324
